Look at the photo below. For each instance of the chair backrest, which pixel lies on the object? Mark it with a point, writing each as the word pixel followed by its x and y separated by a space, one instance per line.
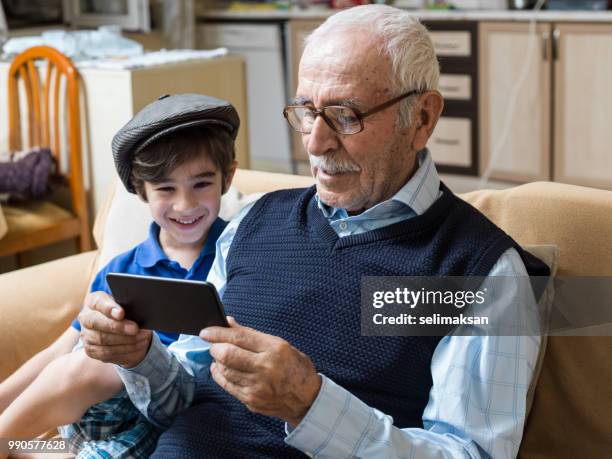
pixel 44 102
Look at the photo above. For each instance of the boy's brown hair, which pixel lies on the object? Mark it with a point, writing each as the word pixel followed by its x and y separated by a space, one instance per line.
pixel 157 161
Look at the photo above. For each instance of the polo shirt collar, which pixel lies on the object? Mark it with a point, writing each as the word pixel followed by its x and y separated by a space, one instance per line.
pixel 214 232
pixel 150 252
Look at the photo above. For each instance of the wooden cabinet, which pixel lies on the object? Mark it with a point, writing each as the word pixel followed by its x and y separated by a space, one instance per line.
pixel 583 104
pixel 456 87
pixel 451 142
pixel 297 31
pixel 515 120
pixel 454 142
pixel 555 124
pixel 451 43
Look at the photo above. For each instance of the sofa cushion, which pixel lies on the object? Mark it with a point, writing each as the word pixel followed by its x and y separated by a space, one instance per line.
pixel 37 304
pixel 574 218
pixel 549 254
pixel 573 396
pixel 570 416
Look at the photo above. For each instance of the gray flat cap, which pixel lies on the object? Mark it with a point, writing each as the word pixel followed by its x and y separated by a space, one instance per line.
pixel 168 114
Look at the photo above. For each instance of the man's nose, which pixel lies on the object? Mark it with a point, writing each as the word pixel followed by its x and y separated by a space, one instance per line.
pixel 322 139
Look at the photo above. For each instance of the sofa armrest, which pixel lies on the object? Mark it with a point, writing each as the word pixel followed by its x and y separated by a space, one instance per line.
pixel 38 303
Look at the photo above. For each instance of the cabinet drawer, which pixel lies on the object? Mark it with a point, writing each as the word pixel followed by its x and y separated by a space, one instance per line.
pixel 451 142
pixel 239 35
pixel 456 87
pixel 452 43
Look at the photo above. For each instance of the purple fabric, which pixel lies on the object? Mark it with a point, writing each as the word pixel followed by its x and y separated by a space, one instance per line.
pixel 29 176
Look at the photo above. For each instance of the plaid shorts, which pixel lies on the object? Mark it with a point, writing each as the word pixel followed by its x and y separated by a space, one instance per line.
pixel 111 429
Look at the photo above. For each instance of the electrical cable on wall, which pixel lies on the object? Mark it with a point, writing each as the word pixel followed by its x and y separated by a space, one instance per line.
pixel 514 94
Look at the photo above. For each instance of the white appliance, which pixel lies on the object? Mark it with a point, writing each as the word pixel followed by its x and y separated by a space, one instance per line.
pixel 128 14
pixel 262 47
pixel 3 26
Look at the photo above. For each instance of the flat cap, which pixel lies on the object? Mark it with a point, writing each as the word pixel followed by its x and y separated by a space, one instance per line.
pixel 167 114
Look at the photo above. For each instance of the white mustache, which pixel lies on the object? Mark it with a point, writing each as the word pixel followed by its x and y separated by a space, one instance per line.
pixel 332 166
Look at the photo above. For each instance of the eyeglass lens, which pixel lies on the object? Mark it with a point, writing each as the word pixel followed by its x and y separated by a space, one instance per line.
pixel 342 119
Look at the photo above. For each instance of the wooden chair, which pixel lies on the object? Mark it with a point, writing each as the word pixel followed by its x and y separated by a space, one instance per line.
pixel 40 223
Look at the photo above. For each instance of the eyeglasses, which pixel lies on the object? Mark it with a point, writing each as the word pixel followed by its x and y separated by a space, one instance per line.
pixel 342 119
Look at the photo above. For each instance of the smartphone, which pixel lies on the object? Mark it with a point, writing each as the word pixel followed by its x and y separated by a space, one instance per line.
pixel 168 305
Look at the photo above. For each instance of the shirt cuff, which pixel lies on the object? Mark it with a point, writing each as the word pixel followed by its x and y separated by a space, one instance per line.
pixel 335 425
pixel 151 372
pixel 192 352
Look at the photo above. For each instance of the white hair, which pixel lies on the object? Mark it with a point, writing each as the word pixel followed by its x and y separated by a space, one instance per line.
pixel 405 41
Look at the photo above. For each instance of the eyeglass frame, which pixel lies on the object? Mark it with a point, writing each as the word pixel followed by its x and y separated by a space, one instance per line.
pixel 360 115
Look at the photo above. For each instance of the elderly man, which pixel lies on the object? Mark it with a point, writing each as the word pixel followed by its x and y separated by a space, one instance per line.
pixel 293 375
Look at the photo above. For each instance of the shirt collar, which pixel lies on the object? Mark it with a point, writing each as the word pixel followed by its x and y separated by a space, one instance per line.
pixel 213 234
pixel 150 252
pixel 418 193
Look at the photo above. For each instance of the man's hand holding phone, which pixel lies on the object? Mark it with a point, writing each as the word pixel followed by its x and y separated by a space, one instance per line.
pixel 108 336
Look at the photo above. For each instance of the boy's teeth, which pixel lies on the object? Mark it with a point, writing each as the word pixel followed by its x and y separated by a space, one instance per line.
pixel 186 222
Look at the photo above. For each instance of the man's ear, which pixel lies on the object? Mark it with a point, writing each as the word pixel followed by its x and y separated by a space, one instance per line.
pixel 230 176
pixel 425 117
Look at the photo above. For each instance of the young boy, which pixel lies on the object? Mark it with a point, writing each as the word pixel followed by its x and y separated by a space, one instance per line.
pixel 177 154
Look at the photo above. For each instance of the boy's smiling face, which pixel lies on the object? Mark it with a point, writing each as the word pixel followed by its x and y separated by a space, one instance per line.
pixel 186 203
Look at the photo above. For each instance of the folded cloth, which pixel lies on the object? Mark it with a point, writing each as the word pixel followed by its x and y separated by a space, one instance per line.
pixel 27 176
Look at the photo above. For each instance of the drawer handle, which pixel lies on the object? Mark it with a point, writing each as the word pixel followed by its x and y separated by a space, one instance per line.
pixel 555 44
pixel 545 46
pixel 452 142
pixel 446 45
pixel 450 88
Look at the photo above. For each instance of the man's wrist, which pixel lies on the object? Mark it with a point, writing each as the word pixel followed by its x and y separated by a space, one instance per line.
pixel 311 389
pixel 146 353
pixel 145 366
pixel 334 408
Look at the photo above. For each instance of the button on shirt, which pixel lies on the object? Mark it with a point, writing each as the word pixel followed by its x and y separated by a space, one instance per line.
pixel 477 402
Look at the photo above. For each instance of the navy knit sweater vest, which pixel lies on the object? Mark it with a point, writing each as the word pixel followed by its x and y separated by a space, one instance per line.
pixel 289 275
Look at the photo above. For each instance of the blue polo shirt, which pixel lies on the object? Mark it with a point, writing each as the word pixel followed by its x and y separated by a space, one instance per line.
pixel 148 259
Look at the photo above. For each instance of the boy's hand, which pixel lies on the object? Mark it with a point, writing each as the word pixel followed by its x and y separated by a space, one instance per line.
pixel 107 336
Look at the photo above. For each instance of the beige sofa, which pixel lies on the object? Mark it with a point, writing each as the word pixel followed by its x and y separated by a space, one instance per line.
pixel 570 416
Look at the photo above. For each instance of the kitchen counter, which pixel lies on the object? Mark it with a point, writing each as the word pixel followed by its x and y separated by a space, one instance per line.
pixel 428 15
